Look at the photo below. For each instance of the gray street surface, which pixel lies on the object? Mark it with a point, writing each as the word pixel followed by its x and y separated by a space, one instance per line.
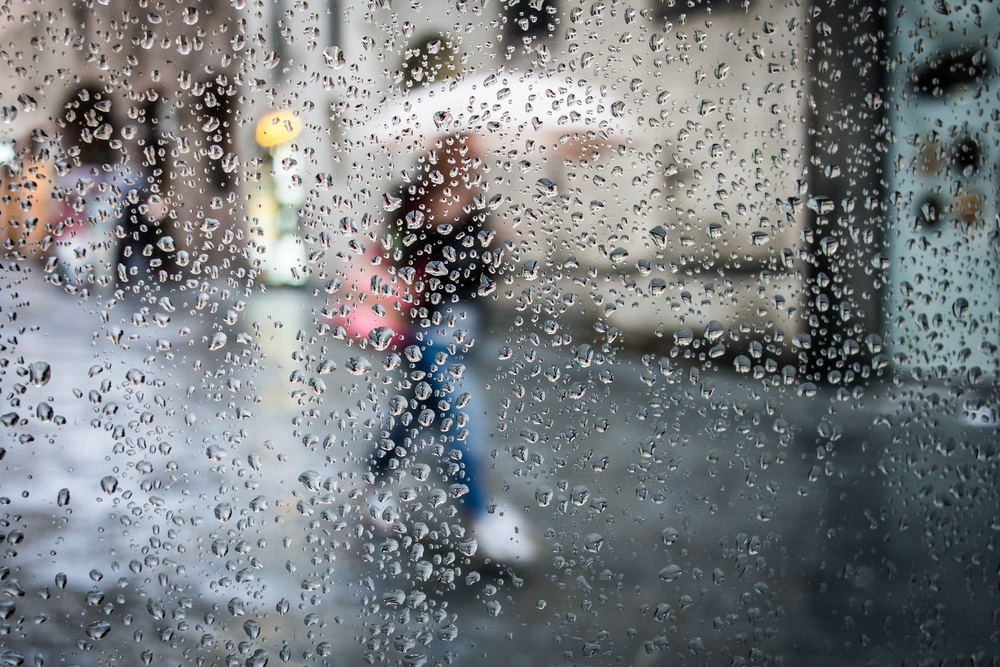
pixel 683 516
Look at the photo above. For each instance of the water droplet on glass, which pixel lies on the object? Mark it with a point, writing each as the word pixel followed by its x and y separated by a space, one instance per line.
pixel 659 236
pixel 257 659
pixel 236 607
pixel 381 337
pixel 334 57
pixel 230 162
pixel 468 547
pixel 438 497
pixel 28 103
pixel 98 630
pixel 547 187
pixel 960 308
pixel 391 203
pixel 216 453
pixel 155 608
pixel 311 480
pixel 714 331
pixel 109 484
pixel 618 255
pixel 218 341
pixel 593 542
pixel 358 366
pixel 442 119
pixel 62 498
pixel 220 548
pixel 670 572
pixel 252 628
pixel 742 363
pixel 223 511
pixel 39 373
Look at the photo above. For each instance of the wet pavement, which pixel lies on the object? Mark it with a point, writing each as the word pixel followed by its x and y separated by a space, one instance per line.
pixel 702 518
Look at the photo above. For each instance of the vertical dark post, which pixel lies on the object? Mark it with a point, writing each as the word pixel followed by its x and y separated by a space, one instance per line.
pixel 846 148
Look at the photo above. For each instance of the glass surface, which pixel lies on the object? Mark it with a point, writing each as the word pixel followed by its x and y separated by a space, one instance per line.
pixel 528 333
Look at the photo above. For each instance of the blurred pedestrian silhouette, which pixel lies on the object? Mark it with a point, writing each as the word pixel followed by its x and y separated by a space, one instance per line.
pixel 441 244
pixel 87 192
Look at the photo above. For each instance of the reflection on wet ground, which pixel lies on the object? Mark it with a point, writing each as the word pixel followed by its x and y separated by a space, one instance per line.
pixel 714 519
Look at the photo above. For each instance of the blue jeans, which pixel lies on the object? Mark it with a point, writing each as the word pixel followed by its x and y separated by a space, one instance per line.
pixel 449 380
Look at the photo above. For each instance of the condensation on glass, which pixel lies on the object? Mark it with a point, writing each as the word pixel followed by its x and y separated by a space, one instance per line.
pixel 531 332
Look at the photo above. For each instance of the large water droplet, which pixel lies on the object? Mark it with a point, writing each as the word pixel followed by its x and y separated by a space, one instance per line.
pixel 135 377
pixel 230 162
pixel 39 373
pixel 593 542
pixel 659 236
pixel 441 119
pixel 257 659
pixel 223 511
pixel 311 480
pixel 334 57
pixel 155 608
pixel 358 366
pixel 547 187
pixel 381 337
pixel 218 341
pixel 252 628
pixel 391 203
pixel 468 547
pixel 742 363
pixel 216 453
pixel 98 630
pixel 109 484
pixel 683 337
pixel 220 548
pixel 236 607
pixel 438 497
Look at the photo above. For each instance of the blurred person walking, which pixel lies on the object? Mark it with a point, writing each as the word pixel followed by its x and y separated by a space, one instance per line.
pixel 441 243
pixel 89 193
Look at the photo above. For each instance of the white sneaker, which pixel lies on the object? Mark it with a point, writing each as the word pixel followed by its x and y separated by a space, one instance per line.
pixel 504 538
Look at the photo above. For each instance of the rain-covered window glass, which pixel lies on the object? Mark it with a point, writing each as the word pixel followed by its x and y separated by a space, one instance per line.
pixel 531 332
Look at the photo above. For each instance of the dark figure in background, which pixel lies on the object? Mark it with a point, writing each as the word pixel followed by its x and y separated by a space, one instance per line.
pixel 88 191
pixel 441 244
pixel 144 253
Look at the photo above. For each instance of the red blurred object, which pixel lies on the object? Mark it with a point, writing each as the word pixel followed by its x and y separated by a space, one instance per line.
pixel 374 297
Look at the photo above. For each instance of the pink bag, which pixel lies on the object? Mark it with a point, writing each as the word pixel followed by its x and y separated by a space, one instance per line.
pixel 374 298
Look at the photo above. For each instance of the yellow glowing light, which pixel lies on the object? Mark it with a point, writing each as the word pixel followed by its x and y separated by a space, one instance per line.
pixel 277 127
